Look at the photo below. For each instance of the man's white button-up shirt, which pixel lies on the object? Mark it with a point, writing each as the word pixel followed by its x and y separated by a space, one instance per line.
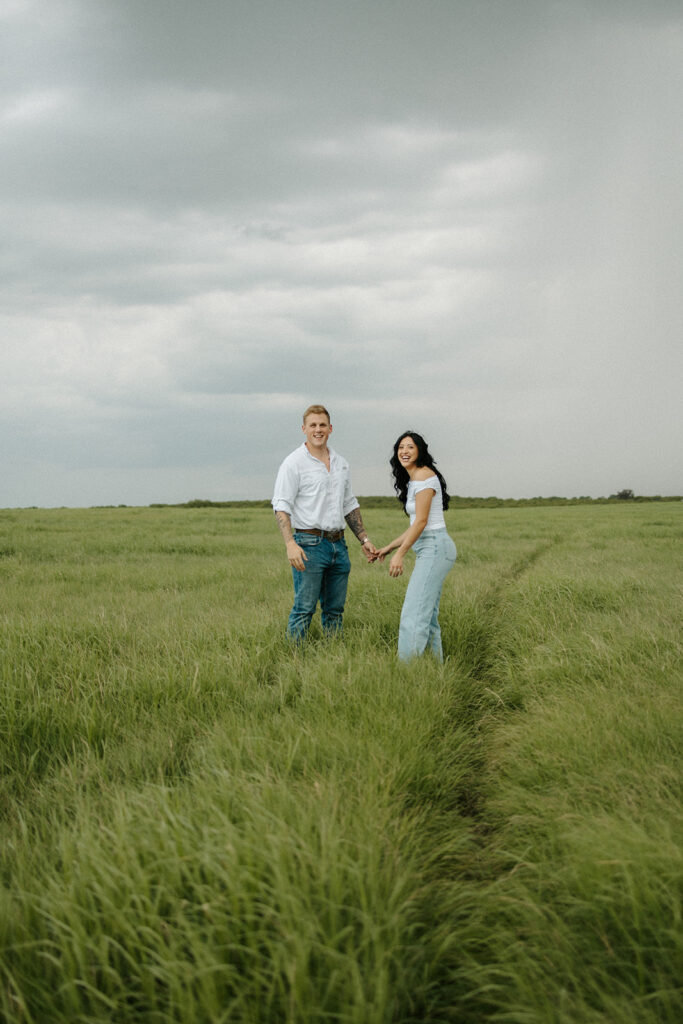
pixel 313 498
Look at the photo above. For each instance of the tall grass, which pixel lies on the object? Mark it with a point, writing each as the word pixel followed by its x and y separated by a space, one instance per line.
pixel 200 823
pixel 582 787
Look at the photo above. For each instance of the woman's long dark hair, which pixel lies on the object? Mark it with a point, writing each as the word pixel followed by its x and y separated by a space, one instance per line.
pixel 401 478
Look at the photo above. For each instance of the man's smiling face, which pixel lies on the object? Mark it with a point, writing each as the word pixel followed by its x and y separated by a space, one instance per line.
pixel 317 429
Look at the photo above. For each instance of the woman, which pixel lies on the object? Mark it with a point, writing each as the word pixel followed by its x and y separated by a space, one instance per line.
pixel 421 489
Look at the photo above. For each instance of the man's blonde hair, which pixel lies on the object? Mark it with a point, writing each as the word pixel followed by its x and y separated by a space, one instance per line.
pixel 318 410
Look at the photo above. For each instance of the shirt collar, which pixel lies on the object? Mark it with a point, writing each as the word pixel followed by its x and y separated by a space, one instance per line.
pixel 333 454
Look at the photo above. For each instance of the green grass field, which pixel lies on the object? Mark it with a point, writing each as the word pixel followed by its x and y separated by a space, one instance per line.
pixel 199 823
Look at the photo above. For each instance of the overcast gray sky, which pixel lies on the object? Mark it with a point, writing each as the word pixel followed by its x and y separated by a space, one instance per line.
pixel 462 218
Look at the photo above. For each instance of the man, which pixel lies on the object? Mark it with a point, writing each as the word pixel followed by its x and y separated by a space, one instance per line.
pixel 312 499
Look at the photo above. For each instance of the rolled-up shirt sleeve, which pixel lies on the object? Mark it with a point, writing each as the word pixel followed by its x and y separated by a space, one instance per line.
pixel 350 501
pixel 286 488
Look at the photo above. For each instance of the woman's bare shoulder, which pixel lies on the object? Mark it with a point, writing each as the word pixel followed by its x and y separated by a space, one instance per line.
pixel 423 473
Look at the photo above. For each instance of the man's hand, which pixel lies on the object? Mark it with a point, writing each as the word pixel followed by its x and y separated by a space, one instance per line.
pixel 296 556
pixel 369 550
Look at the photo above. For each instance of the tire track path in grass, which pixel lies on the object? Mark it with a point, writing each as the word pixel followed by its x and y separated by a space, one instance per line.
pixel 478 648
pixel 459 837
pixel 561 901
pixel 475 644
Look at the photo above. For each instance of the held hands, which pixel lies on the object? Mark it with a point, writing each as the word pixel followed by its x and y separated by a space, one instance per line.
pixel 369 550
pixel 396 563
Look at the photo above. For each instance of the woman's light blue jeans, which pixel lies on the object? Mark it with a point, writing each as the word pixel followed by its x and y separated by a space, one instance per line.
pixel 419 629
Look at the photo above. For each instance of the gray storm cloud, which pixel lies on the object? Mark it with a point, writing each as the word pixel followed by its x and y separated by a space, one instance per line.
pixel 462 216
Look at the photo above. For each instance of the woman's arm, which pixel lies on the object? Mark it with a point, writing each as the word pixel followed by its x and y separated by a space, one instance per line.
pixel 423 503
pixel 383 552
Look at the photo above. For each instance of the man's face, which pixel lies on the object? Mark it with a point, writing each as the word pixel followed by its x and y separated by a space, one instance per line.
pixel 317 429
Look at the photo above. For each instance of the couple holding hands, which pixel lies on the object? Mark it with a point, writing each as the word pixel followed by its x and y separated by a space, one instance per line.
pixel 313 500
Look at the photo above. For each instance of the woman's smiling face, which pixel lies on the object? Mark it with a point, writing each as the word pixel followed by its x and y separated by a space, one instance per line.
pixel 407 453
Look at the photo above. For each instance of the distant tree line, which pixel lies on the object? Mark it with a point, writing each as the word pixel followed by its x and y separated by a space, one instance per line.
pixel 457 501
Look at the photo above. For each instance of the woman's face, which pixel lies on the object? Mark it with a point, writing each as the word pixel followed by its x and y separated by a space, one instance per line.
pixel 407 453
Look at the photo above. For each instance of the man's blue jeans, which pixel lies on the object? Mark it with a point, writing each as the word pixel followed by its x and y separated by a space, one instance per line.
pixel 324 579
pixel 419 629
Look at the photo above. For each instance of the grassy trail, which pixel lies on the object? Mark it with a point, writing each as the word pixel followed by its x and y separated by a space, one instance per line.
pixel 199 824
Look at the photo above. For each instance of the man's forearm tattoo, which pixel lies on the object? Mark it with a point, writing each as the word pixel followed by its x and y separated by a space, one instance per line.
pixel 355 521
pixel 285 524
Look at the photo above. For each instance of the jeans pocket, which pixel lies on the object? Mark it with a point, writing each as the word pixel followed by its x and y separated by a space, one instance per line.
pixel 307 540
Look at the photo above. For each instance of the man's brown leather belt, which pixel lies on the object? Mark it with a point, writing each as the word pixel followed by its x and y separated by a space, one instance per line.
pixel 327 534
